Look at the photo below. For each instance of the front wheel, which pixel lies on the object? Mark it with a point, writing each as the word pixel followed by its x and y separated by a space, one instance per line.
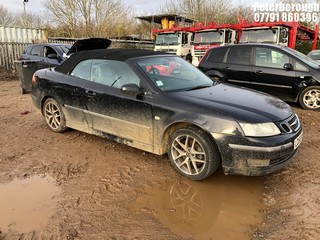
pixel 193 153
pixel 310 98
pixel 216 78
pixel 54 116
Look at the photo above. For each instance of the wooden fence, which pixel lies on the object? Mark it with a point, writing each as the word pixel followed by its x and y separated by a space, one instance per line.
pixel 9 52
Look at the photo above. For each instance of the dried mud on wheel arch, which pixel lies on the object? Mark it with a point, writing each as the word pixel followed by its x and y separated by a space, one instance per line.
pixel 291 196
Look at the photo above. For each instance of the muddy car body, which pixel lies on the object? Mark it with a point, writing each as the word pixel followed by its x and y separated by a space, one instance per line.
pixel 199 123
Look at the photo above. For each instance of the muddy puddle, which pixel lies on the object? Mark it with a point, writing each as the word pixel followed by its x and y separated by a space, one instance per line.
pixel 27 204
pixel 221 207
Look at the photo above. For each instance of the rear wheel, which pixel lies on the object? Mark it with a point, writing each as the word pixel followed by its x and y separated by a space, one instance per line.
pixel 310 98
pixel 54 116
pixel 193 153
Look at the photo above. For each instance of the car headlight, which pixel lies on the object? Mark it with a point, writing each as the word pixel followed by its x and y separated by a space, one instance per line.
pixel 260 129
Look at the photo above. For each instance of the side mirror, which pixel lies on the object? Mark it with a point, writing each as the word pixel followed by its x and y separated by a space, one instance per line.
pixel 192 39
pixel 184 38
pixel 131 89
pixel 288 66
pixel 52 56
pixel 284 32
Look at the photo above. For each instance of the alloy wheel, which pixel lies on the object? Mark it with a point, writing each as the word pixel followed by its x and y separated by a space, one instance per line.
pixel 312 98
pixel 52 115
pixel 188 154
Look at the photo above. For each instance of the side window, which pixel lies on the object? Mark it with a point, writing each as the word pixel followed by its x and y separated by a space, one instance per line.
pixel 82 70
pixel 48 50
pixel 36 50
pixel 113 73
pixel 27 50
pixel 299 67
pixel 266 57
pixel 217 54
pixel 239 55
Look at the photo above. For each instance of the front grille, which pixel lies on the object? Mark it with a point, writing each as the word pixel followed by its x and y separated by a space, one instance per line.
pixel 199 53
pixel 291 124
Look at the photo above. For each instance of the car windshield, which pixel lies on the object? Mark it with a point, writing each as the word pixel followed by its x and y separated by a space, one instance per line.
pixel 65 48
pixel 168 39
pixel 259 36
pixel 173 74
pixel 213 37
pixel 304 58
pixel 315 55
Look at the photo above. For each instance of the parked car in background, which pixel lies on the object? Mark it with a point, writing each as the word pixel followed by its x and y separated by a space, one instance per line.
pixel 277 70
pixel 48 54
pixel 128 96
pixel 53 54
pixel 315 55
pixel 39 56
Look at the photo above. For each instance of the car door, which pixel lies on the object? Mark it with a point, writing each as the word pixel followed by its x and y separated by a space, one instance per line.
pixel 46 58
pixel 71 95
pixel 238 65
pixel 120 116
pixel 303 74
pixel 36 52
pixel 269 74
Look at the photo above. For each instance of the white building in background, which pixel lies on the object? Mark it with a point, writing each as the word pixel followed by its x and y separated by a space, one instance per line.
pixel 22 35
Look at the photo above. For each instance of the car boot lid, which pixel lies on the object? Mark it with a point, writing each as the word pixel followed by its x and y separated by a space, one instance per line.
pixel 88 44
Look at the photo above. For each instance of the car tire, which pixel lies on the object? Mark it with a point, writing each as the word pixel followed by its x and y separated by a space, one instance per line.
pixel 54 116
pixel 193 153
pixel 216 78
pixel 310 98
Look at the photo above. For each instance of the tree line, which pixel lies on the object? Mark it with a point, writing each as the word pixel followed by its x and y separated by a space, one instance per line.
pixel 114 18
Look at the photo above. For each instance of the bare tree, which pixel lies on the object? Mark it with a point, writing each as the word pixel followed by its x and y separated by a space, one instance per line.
pixel 86 11
pixel 111 15
pixel 83 18
pixel 64 14
pixel 205 11
pixel 28 20
pixel 6 17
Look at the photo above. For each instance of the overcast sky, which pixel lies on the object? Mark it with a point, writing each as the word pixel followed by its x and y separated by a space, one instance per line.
pixel 140 7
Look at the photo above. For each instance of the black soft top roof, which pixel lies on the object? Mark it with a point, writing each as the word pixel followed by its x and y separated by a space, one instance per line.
pixel 111 54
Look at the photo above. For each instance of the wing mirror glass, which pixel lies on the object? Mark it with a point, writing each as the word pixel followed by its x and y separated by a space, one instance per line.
pixel 288 66
pixel 131 89
pixel 52 56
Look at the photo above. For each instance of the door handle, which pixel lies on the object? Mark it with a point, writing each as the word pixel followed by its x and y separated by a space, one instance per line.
pixel 258 72
pixel 90 93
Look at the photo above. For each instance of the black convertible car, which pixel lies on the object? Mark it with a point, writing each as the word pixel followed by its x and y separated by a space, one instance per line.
pixel 162 104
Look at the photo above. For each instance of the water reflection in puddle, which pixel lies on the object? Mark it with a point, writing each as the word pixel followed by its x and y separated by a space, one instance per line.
pixel 27 205
pixel 222 207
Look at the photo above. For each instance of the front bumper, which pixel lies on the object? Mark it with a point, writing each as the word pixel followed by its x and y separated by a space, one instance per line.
pixel 258 158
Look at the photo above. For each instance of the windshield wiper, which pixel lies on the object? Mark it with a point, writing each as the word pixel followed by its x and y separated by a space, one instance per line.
pixel 199 87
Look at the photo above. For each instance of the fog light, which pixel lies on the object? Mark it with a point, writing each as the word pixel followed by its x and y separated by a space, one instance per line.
pixel 258 162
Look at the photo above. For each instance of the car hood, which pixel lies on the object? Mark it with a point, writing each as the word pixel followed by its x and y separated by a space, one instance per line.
pixel 89 44
pixel 237 103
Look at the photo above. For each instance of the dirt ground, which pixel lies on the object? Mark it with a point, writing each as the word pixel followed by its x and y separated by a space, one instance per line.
pixel 102 183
